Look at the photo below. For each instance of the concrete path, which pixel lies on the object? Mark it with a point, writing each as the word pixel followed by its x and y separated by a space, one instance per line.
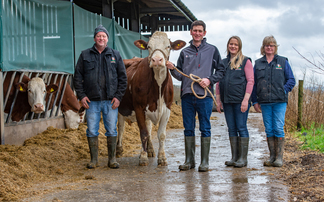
pixel 132 182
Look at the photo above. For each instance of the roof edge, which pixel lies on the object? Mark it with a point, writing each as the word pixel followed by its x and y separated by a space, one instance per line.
pixel 181 7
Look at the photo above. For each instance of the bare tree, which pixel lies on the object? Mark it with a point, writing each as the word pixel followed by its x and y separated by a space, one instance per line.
pixel 317 67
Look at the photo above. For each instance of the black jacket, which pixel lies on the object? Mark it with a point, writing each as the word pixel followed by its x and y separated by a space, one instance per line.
pixel 233 85
pixel 270 80
pixel 87 74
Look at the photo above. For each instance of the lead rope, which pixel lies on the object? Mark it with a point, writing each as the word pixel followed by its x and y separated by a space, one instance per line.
pixel 197 79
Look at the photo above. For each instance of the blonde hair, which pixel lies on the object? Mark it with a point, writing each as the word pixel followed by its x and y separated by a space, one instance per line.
pixel 237 60
pixel 267 41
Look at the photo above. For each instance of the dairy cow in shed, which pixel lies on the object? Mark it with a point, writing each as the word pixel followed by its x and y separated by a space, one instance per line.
pixel 31 99
pixel 70 106
pixel 30 96
pixel 149 94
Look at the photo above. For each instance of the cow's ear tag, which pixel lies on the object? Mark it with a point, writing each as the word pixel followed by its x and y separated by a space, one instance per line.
pixel 21 88
pixel 52 90
pixel 142 46
pixel 178 44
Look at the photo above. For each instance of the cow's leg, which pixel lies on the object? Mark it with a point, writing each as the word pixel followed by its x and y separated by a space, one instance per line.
pixel 140 117
pixel 161 136
pixel 121 127
pixel 150 148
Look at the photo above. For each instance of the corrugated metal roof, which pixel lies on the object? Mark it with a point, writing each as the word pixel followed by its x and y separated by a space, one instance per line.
pixel 164 15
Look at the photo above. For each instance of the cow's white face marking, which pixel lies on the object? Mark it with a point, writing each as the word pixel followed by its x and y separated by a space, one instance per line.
pixel 159 50
pixel 36 92
pixel 72 119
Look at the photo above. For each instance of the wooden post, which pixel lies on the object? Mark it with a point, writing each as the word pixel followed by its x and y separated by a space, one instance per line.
pixel 300 103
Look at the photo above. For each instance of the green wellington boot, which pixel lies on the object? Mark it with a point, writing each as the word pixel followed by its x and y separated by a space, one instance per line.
pixel 111 144
pixel 205 147
pixel 279 142
pixel 271 145
pixel 234 150
pixel 93 146
pixel 243 151
pixel 190 149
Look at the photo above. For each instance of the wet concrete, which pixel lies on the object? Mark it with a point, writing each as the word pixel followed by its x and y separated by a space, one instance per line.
pixel 132 182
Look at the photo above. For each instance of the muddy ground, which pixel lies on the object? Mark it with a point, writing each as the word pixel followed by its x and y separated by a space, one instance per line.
pixel 52 162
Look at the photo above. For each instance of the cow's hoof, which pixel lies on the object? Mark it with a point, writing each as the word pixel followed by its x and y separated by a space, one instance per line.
pixel 119 151
pixel 151 153
pixel 143 163
pixel 143 160
pixel 92 165
pixel 162 162
pixel 113 165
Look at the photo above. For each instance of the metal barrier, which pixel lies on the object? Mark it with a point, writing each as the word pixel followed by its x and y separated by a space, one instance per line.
pixel 50 101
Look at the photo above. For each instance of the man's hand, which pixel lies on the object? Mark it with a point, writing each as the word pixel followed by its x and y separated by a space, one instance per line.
pixel 115 103
pixel 84 102
pixel 257 107
pixel 204 82
pixel 219 104
pixel 169 65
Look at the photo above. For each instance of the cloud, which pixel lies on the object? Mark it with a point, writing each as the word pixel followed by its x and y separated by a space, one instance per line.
pixel 294 23
pixel 302 21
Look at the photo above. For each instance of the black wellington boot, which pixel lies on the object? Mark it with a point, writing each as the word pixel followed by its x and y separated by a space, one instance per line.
pixel 111 144
pixel 93 146
pixel 234 150
pixel 271 145
pixel 190 149
pixel 280 141
pixel 205 147
pixel 243 147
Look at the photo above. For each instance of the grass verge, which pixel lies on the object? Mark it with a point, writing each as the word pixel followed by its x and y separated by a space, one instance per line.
pixel 313 138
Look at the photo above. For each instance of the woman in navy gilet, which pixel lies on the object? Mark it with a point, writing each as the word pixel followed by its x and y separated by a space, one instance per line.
pixel 233 93
pixel 273 80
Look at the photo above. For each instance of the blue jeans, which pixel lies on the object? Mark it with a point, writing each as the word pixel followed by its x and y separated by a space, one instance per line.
pixel 236 120
pixel 274 118
pixel 109 116
pixel 192 105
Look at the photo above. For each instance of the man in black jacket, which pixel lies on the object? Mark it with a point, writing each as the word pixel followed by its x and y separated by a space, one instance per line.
pixel 100 83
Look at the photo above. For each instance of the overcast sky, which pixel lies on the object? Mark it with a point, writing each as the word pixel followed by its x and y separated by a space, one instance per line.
pixel 294 23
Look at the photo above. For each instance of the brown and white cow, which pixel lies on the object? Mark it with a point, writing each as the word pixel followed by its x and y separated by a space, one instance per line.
pixel 36 91
pixel 149 94
pixel 70 106
pixel 30 96
pixel 31 99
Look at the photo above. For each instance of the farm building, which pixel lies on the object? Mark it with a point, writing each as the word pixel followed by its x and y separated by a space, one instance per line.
pixel 43 38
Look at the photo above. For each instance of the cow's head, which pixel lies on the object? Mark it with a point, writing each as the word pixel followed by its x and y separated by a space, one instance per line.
pixel 159 47
pixel 36 90
pixel 73 119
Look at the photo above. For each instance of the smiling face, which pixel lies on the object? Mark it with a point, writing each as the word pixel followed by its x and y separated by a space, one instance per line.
pixel 233 47
pixel 101 40
pixel 269 46
pixel 198 33
pixel 270 49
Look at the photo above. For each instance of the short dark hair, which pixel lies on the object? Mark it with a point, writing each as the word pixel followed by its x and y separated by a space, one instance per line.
pixel 198 22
